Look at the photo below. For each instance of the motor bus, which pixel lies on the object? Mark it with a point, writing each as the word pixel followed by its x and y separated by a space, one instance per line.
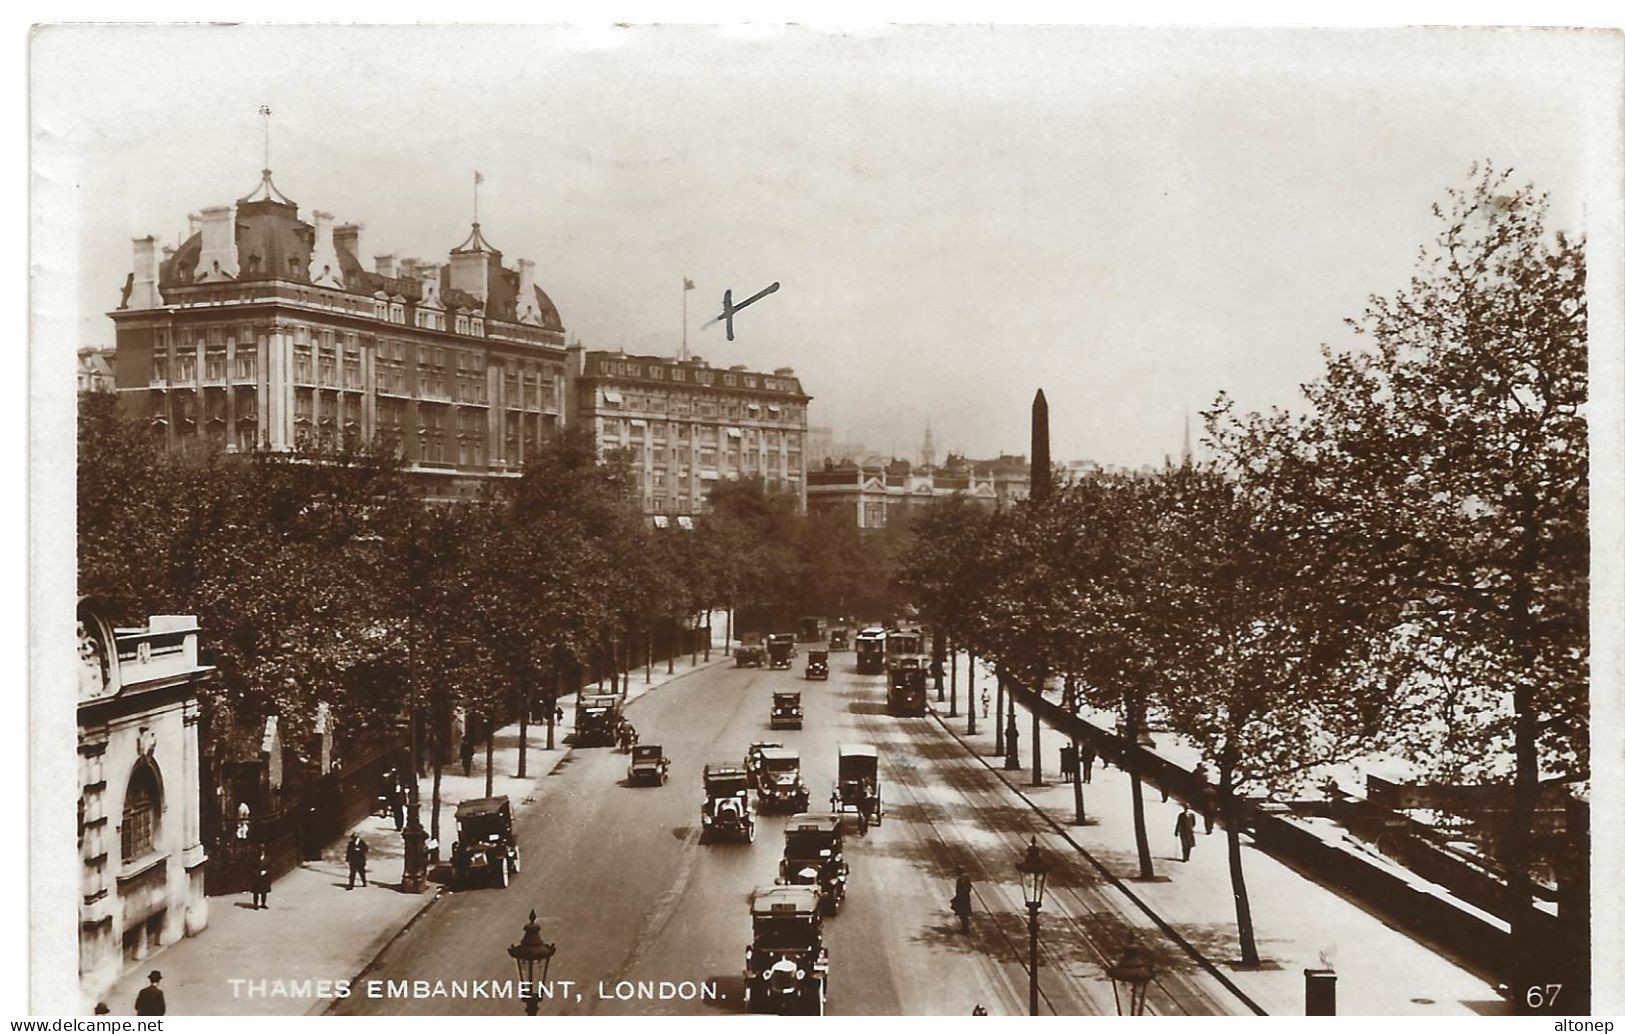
pixel 870 647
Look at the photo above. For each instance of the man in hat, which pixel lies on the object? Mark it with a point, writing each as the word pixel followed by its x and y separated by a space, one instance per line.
pixel 1185 830
pixel 150 1002
pixel 355 852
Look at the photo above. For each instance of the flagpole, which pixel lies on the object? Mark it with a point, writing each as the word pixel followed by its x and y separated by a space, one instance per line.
pixel 685 320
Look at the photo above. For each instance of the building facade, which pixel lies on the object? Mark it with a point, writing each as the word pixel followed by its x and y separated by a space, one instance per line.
pixel 96 369
pixel 686 425
pixel 879 495
pixel 263 330
pixel 140 846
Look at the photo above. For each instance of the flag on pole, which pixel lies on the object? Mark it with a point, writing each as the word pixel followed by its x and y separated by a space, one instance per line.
pixel 478 177
pixel 688 285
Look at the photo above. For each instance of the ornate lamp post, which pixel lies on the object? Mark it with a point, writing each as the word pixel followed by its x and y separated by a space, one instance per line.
pixel 1034 870
pixel 530 950
pixel 1131 975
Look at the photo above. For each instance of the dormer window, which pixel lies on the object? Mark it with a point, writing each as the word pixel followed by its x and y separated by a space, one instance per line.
pixel 462 323
pixel 476 326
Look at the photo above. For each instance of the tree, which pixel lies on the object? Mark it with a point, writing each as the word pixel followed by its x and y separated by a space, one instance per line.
pixel 1457 441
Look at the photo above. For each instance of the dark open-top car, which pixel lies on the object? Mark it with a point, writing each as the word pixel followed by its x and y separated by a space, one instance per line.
pixel 750 652
pixel 726 810
pixel 786 965
pixel 786 712
pixel 839 639
pixel 484 849
pixel 649 764
pixel 817 664
pixel 813 856
pixel 778 780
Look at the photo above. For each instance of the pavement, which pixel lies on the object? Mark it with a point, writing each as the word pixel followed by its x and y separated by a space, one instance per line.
pixel 1298 924
pixel 274 961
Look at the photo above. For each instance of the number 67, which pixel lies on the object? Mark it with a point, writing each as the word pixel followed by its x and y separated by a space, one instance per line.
pixel 1539 997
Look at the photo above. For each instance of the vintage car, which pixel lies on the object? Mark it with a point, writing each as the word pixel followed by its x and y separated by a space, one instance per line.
pixel 484 849
pixel 839 639
pixel 786 711
pixel 649 764
pixel 786 965
pixel 817 665
pixel 778 780
pixel 855 765
pixel 750 653
pixel 812 855
pixel 781 650
pixel 726 811
pixel 753 759
pixel 598 720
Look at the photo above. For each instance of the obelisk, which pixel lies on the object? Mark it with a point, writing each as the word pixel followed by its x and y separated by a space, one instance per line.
pixel 1039 490
pixel 1039 480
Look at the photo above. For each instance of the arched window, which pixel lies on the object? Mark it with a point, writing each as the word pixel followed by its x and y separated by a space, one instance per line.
pixel 143 803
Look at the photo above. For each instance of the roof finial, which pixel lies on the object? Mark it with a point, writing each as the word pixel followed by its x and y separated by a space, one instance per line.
pixel 265 113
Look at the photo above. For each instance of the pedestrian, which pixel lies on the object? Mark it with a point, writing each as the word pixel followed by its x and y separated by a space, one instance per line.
pixel 1185 830
pixel 1086 758
pixel 558 715
pixel 960 903
pixel 1208 801
pixel 468 753
pixel 985 701
pixel 102 1009
pixel 355 852
pixel 150 1001
pixel 243 813
pixel 397 804
pixel 260 880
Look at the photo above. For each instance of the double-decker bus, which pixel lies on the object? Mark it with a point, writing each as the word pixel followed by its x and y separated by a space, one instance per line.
pixel 906 666
pixel 870 647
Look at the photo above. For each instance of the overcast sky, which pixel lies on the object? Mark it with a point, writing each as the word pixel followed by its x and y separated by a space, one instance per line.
pixel 1130 219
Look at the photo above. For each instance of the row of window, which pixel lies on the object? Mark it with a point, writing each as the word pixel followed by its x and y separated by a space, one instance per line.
pixel 737 409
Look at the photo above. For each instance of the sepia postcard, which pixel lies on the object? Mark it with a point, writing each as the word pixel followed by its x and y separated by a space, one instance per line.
pixel 695 520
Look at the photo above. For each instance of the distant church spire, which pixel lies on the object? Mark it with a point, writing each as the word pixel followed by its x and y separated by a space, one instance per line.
pixel 928 452
pixel 1186 455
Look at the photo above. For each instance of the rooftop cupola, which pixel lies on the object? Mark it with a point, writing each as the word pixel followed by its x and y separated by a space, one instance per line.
pixel 471 263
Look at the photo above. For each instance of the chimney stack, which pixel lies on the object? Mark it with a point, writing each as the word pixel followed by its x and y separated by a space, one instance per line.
pixel 144 283
pixel 324 259
pixel 348 238
pixel 218 259
pixel 387 265
pixel 525 308
pixel 409 269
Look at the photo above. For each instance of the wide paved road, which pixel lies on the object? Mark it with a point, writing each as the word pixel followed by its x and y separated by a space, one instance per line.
pixel 620 882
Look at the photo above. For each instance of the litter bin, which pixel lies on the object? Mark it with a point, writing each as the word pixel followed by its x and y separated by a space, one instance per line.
pixel 1319 992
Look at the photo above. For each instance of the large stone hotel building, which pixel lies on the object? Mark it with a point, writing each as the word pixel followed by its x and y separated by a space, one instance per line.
pixel 262 330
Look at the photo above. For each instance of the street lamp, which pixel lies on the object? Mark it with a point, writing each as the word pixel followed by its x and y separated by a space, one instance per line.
pixel 1034 870
pixel 530 950
pixel 1132 974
